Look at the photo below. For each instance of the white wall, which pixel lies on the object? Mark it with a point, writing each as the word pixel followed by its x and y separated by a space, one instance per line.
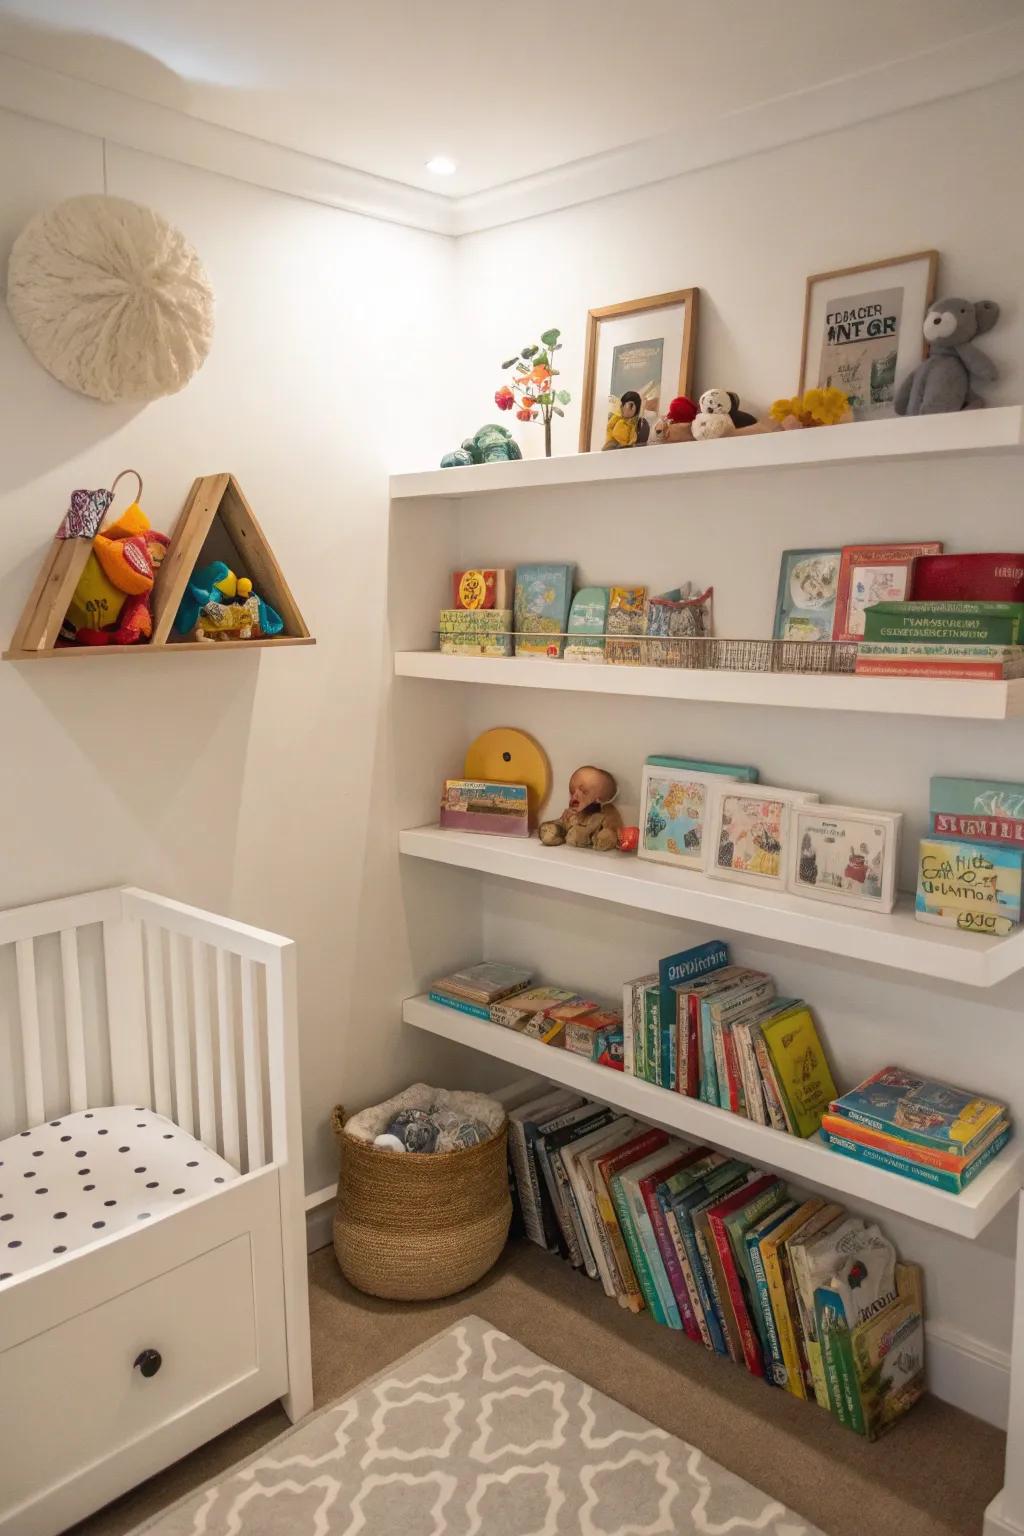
pixel 254 785
pixel 747 234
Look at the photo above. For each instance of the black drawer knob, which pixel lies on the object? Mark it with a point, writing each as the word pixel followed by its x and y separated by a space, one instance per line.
pixel 149 1362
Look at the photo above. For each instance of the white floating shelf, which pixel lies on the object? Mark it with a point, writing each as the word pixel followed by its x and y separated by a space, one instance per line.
pixel 944 699
pixel 982 431
pixel 896 939
pixel 809 1162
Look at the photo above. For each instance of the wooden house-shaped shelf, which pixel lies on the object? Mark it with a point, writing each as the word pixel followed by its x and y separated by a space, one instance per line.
pixel 216 523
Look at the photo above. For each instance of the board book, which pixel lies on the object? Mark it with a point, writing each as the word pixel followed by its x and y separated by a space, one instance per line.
pixel 801 1070
pixel 971 886
pixel 932 1114
pixel 869 574
pixel 978 810
pixel 923 1173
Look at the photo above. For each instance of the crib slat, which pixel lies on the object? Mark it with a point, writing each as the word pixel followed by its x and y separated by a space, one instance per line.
pixel 182 1041
pixel 204 1045
pixel 228 1080
pixel 253 1068
pixel 31 1053
pixel 78 1092
pixel 156 1012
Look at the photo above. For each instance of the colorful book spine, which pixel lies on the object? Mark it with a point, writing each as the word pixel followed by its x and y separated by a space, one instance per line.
pixel 957 671
pixel 476 1010
pixel 652 1036
pixel 947 1162
pixel 778 1110
pixel 721 1302
pixel 655 1265
pixel 687 1230
pixel 837 1360
pixel 669 1258
pixel 637 1256
pixel 952 1183
pixel 689 1278
pixel 775 1364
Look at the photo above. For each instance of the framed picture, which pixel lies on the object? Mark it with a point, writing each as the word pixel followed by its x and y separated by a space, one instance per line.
pixel 863 329
pixel 842 854
pixel 806 601
pixel 873 573
pixel 639 357
pixel 746 833
pixel 673 803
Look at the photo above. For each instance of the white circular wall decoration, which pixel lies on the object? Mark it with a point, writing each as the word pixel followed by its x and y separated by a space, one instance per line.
pixel 110 299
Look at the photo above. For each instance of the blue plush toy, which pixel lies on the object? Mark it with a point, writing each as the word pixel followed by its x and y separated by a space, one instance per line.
pixel 219 604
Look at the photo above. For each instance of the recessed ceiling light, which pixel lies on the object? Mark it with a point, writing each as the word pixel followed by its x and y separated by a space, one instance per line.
pixel 441 165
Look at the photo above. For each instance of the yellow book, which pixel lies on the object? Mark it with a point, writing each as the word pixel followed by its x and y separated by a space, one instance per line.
pixel 772 1261
pixel 801 1069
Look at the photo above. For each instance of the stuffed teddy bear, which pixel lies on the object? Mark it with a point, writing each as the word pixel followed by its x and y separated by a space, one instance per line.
pixel 590 820
pixel 945 380
pixel 488 445
pixel 674 426
pixel 720 415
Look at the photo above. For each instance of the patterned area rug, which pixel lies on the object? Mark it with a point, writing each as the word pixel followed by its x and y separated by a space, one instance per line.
pixel 474 1434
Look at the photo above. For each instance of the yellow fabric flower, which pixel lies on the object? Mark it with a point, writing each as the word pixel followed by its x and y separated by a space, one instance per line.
pixel 783 408
pixel 826 406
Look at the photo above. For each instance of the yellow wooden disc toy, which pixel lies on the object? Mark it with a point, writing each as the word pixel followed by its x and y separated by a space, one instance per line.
pixel 507 756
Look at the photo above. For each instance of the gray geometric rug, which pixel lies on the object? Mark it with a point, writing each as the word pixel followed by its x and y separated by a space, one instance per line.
pixel 472 1435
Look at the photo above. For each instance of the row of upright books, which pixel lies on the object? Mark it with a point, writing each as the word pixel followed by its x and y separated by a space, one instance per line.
pixel 805 1295
pixel 718 1032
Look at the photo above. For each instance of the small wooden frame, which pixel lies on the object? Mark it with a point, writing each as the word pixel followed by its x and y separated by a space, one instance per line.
pixel 928 260
pixel 686 297
pixel 213 500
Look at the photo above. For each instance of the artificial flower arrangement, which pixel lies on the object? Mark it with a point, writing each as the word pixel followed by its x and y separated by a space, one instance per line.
pixel 814 408
pixel 530 389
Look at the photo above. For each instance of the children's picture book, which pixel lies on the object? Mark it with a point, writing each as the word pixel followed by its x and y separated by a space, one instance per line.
pixel 843 854
pixel 697 765
pixel 953 623
pixel 869 574
pixel 672 807
pixel 984 577
pixel 919 1109
pixel 806 601
pixel 473 805
pixel 888 1356
pixel 516 1012
pixel 486 982
pixel 801 1068
pixel 588 621
pixel 975 887
pixel 543 597
pixel 911 1168
pixel 627 617
pixel 483 587
pixel 747 831
pixel 978 810
pixel 475 632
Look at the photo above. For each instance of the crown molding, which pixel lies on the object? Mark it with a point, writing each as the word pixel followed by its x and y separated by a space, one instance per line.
pixel 970 63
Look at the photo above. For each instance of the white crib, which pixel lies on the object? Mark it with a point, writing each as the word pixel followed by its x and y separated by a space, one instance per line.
pixel 120 1355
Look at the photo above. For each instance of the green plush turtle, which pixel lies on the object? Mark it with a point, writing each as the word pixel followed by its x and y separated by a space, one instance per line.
pixel 488 445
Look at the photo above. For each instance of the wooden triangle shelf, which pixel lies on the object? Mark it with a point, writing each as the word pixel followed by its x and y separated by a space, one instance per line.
pixel 215 508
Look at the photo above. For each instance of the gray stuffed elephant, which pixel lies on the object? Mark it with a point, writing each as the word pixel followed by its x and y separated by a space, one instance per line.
pixel 945 380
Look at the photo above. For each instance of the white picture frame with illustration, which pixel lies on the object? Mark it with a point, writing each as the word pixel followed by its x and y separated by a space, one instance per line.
pixel 747 832
pixel 674 805
pixel 846 855
pixel 863 329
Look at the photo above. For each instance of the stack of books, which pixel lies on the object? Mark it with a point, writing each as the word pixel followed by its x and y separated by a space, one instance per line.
pixel 925 1130
pixel 957 639
pixel 718 1032
pixel 476 987
pixel 803 1294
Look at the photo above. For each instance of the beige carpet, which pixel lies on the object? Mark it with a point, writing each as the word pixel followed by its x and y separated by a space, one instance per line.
pixel 932 1476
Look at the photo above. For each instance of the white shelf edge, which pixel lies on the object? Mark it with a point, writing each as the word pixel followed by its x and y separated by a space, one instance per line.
pixel 808 1162
pixel 936 697
pixel 982 431
pixel 894 940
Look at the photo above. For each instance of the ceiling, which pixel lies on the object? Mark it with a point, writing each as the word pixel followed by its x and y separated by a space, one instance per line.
pixel 507 92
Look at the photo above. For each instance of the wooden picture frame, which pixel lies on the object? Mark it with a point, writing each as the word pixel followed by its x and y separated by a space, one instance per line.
pixel 919 272
pixel 684 298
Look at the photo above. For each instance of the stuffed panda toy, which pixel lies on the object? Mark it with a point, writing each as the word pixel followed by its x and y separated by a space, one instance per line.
pixel 720 415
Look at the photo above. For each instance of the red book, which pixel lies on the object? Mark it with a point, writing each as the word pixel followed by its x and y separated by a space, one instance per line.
pixel 749 1341
pixel 982 578
pixel 884 666
pixel 666 1247
pixel 873 573
pixel 732 1070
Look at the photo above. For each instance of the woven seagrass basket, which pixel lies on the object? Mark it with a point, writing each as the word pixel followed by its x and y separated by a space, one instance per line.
pixel 413 1227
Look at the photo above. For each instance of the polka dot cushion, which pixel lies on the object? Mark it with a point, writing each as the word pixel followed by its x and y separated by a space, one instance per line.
pixel 75 1180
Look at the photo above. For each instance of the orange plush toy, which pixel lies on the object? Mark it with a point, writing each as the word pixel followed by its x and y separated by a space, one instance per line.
pixel 111 605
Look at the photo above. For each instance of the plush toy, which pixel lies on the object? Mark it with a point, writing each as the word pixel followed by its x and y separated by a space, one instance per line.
pixel 590 820
pixel 218 605
pixel 488 445
pixel 815 408
pixel 628 427
pixel 945 380
pixel 674 426
pixel 111 604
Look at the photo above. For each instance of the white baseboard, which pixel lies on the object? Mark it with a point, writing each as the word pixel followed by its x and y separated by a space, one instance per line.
pixel 319 1218
pixel 997 1523
pixel 969 1373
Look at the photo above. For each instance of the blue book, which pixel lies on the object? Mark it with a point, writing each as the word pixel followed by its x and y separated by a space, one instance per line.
pixel 460 1004
pixel 722 1181
pixel 542 602
pixel 687 965
pixel 953 1183
pixel 920 1110
pixel 762 1314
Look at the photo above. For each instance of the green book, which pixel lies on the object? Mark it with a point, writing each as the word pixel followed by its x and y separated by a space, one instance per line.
pixel 837 1359
pixel 961 629
pixel 652 1035
pixel 637 1256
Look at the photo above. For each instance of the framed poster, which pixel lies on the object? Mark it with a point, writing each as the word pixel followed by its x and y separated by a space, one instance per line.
pixel 639 357
pixel 843 854
pixel 805 604
pixel 863 329
pixel 672 811
pixel 747 831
